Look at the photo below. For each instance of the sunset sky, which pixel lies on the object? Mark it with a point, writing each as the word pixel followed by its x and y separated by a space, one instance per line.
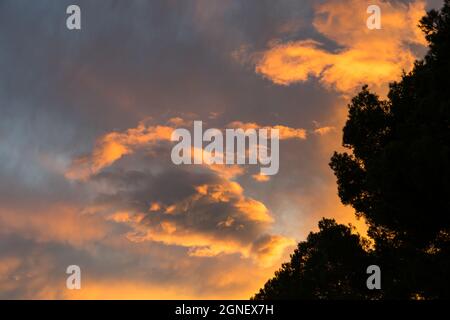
pixel 86 116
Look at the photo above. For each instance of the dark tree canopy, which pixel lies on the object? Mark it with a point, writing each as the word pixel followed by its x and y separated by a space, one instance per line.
pixel 396 175
pixel 330 264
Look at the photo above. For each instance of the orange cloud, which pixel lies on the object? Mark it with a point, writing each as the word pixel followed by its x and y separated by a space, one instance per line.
pixel 172 231
pixel 155 206
pixel 7 266
pixel 114 145
pixel 222 283
pixel 192 221
pixel 261 177
pixel 55 223
pixel 120 289
pixel 323 130
pixel 375 57
pixel 284 131
pixel 195 223
pixel 254 210
pixel 270 248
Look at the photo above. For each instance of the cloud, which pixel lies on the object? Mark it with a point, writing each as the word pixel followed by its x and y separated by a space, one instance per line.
pixel 8 266
pixel 200 208
pixel 284 131
pixel 56 222
pixel 261 178
pixel 122 289
pixel 114 145
pixel 214 217
pixel 270 247
pixel 324 130
pixel 374 57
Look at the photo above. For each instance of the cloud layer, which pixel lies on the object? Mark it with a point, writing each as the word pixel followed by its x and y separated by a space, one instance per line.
pixel 362 55
pixel 85 171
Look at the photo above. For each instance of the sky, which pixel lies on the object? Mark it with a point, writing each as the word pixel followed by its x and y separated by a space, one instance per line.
pixel 86 116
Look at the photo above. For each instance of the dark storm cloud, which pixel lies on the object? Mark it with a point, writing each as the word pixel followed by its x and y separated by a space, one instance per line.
pixel 147 57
